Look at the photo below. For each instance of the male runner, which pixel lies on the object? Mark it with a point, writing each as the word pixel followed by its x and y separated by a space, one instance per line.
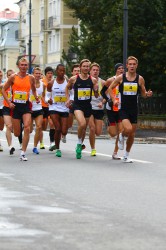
pixel 21 83
pixel 129 85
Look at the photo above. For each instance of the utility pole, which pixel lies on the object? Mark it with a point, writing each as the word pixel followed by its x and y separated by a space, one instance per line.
pixel 125 32
pixel 30 36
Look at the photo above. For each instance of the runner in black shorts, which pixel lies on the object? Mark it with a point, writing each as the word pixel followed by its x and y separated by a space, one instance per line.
pixel 129 85
pixel 82 85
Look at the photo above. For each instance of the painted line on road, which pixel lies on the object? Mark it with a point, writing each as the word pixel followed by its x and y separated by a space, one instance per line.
pixel 141 161
pixel 88 152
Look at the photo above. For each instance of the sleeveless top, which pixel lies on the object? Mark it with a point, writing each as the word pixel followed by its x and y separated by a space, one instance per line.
pixel 44 80
pixel 21 89
pixel 59 96
pixel 39 90
pixel 95 101
pixel 129 93
pixel 1 96
pixel 117 96
pixel 9 96
pixel 83 91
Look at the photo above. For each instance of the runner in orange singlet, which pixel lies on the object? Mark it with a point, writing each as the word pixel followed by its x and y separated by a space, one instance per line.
pixel 114 122
pixel 7 116
pixel 21 83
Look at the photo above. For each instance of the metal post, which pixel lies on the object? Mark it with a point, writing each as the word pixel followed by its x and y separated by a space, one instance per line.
pixel 30 39
pixel 125 32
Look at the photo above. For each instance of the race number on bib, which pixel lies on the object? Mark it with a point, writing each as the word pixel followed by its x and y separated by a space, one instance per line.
pixel 33 99
pixel 20 97
pixel 84 93
pixel 130 88
pixel 60 99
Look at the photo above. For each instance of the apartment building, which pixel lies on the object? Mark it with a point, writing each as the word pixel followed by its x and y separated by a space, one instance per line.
pixel 49 23
pixel 9 47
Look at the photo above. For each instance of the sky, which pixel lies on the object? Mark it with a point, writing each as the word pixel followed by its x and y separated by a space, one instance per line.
pixel 9 4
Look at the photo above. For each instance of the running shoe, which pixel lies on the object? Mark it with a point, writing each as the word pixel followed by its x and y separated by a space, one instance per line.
pixel 121 142
pixel 79 151
pixel 93 152
pixel 42 145
pixel 1 148
pixel 52 147
pixel 116 157
pixel 63 138
pixel 11 151
pixel 58 153
pixel 35 151
pixel 83 146
pixel 23 158
pixel 127 160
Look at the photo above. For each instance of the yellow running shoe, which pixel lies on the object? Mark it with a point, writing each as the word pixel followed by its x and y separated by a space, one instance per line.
pixel 93 152
pixel 42 145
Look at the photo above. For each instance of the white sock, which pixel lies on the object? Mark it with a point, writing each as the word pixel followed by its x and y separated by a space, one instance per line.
pixel 79 141
pixel 126 154
pixel 22 153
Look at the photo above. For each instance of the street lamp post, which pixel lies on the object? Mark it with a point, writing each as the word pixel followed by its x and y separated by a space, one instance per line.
pixel 125 32
pixel 30 38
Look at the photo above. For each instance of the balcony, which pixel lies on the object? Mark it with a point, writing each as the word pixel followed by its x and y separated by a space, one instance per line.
pixel 53 23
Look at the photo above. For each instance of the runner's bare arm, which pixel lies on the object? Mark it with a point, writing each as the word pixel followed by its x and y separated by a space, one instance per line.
pixel 144 92
pixel 7 85
pixel 69 86
pixel 48 97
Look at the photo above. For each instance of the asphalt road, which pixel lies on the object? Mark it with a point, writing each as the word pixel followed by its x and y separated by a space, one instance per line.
pixel 95 203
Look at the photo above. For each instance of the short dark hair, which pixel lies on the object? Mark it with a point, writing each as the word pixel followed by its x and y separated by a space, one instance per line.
pixel 47 69
pixel 60 65
pixel 75 66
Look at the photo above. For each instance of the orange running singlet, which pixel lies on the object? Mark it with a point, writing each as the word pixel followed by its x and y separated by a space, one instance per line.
pixel 21 89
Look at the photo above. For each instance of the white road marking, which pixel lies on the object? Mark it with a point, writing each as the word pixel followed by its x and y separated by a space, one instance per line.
pixel 141 161
pixel 105 155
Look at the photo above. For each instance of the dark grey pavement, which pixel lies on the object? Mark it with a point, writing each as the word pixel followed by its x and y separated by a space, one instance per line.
pixel 95 203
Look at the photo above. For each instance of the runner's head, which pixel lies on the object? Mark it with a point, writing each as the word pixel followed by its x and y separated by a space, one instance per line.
pixel 75 69
pixel 94 69
pixel 49 73
pixel 132 64
pixel 119 68
pixel 85 66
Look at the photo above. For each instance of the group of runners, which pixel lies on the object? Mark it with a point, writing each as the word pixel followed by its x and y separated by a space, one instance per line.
pixel 28 99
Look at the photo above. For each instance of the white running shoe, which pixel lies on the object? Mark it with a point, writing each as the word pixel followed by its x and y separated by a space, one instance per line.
pixel 116 157
pixel 127 160
pixel 23 158
pixel 121 142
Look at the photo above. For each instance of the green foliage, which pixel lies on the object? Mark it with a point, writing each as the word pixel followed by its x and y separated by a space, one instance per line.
pixel 100 36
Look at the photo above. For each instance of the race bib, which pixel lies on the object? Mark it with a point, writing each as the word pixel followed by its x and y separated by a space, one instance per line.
pixel 130 88
pixel 32 98
pixel 84 93
pixel 20 97
pixel 60 99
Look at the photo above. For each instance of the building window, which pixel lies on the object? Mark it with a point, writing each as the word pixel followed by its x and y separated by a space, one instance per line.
pixel 57 41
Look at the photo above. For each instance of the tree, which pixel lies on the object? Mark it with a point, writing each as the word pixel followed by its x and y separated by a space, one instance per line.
pixel 101 36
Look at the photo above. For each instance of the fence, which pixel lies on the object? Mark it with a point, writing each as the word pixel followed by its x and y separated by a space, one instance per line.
pixel 155 105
